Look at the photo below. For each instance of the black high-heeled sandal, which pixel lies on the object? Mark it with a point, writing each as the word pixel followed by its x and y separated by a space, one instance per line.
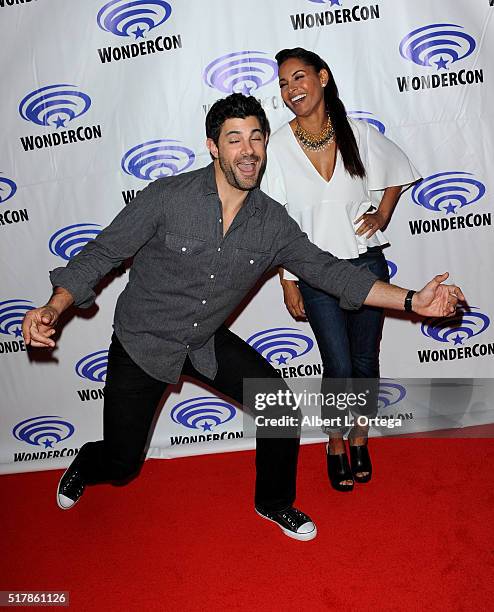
pixel 339 471
pixel 361 462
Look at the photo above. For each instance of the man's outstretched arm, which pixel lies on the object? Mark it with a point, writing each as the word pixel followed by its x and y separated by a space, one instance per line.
pixel 39 324
pixel 434 299
pixel 355 285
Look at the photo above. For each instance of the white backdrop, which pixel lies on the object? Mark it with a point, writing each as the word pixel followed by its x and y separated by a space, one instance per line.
pixel 88 88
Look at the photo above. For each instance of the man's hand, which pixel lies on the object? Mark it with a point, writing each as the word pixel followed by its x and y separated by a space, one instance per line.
pixel 293 299
pixel 39 325
pixel 437 300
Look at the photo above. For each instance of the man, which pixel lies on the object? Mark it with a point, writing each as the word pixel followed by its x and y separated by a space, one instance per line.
pixel 200 241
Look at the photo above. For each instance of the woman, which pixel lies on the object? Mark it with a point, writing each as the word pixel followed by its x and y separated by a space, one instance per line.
pixel 329 169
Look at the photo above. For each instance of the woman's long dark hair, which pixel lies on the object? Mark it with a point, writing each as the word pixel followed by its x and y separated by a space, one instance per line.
pixel 345 138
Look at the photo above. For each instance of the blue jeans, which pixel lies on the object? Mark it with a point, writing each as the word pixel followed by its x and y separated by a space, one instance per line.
pixel 348 340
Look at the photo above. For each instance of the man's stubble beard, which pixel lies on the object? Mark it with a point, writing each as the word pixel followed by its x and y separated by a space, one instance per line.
pixel 231 177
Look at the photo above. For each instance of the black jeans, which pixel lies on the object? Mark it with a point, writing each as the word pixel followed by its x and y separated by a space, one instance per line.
pixel 131 401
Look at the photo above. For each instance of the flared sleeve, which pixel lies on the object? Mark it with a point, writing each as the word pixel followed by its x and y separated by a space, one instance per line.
pixel 387 164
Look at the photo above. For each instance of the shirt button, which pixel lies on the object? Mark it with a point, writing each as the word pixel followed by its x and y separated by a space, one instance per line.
pixel 251 261
pixel 195 324
pixel 203 301
pixel 212 276
pixel 219 249
pixel 220 220
pixel 187 346
pixel 184 249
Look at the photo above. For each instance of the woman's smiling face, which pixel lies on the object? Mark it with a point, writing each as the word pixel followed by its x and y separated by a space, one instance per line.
pixel 301 86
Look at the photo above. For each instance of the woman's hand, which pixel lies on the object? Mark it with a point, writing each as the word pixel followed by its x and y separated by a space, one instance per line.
pixel 371 222
pixel 293 299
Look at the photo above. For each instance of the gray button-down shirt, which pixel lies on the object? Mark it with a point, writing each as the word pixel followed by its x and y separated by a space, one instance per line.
pixel 187 277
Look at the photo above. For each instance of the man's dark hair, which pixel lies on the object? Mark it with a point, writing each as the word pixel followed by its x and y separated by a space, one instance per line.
pixel 235 106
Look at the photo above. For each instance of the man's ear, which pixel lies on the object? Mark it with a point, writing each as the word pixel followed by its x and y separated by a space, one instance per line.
pixel 212 148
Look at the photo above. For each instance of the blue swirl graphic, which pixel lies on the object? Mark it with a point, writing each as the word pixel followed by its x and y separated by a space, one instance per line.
pixel 333 2
pixel 444 41
pixel 286 342
pixel 390 393
pixel 43 430
pixel 392 268
pixel 11 314
pixel 120 16
pixel 7 189
pixel 93 366
pixel 68 241
pixel 240 72
pixel 54 105
pixel 463 325
pixel 368 117
pixel 156 158
pixel 446 191
pixel 202 413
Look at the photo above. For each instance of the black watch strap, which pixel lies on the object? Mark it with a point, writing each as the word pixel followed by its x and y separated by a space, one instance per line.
pixel 408 300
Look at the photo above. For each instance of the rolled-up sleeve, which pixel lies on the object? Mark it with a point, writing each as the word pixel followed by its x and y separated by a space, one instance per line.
pixel 125 235
pixel 320 269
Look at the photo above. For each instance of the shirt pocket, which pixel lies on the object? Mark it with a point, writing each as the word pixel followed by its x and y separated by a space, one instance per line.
pixel 184 245
pixel 183 256
pixel 248 265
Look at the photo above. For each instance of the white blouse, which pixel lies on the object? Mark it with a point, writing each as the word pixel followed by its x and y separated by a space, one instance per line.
pixel 326 210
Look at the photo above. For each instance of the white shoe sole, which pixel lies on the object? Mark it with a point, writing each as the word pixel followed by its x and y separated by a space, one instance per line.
pixel 303 537
pixel 59 495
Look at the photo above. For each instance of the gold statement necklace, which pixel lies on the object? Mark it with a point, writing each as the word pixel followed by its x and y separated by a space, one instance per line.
pixel 315 142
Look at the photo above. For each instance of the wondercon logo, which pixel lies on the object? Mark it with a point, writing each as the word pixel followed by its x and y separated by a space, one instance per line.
pixel 11 315
pixel 93 366
pixel 156 158
pixel 360 115
pixel 136 18
pixel 390 393
pixel 54 105
pixel 438 44
pixel 240 72
pixel 281 344
pixel 446 191
pixel 68 241
pixel 43 431
pixel 7 189
pixel 392 268
pixel 202 413
pixel 465 324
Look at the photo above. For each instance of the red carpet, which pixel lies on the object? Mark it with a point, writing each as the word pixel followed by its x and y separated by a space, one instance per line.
pixel 184 536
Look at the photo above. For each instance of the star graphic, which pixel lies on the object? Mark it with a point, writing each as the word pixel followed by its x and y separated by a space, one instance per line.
pixel 207 426
pixel 450 208
pixel 59 122
pixel 138 32
pixel 458 339
pixel 17 332
pixel 48 443
pixel 246 90
pixel 281 359
pixel 441 63
pixel 337 2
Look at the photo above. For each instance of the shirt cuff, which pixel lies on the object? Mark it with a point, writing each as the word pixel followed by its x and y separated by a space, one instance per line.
pixel 357 289
pixel 82 293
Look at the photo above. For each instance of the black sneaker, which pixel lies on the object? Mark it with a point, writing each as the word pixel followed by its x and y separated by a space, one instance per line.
pixel 70 488
pixel 294 523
